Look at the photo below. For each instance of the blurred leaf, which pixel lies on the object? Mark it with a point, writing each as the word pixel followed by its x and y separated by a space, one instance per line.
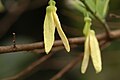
pixel 78 5
pixel 91 4
pixel 99 7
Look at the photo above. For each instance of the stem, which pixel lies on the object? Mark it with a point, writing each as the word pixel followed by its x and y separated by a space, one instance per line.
pixel 39 45
pixel 68 67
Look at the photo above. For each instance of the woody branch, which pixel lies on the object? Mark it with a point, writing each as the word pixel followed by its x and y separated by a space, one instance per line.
pixel 40 45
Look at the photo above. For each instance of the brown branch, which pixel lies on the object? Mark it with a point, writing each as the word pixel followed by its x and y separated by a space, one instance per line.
pixel 40 45
pixel 68 67
pixel 35 65
pixel 30 68
pixel 114 15
pixel 54 49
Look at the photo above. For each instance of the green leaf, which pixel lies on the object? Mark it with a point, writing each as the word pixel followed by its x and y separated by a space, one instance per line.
pixel 102 8
pixel 78 5
pixel 91 4
pixel 99 7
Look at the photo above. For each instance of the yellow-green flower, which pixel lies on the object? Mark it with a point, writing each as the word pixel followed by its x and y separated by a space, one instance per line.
pixel 50 23
pixel 91 49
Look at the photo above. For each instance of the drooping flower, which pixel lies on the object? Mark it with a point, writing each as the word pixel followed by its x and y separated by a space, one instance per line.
pixel 91 49
pixel 50 23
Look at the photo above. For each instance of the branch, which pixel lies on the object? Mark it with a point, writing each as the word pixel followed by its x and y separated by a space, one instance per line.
pixel 67 67
pixel 40 45
pixel 30 68
pixel 114 15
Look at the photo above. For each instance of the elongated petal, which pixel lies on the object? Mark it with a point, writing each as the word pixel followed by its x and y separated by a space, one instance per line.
pixel 49 30
pixel 95 52
pixel 86 55
pixel 60 32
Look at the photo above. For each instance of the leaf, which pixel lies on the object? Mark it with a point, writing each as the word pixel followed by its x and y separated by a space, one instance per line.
pixel 105 9
pixel 95 52
pixel 60 32
pixel 91 4
pixel 49 30
pixel 86 55
pixel 101 8
pixel 77 5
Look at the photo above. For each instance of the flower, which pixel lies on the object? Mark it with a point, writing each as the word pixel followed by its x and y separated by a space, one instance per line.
pixel 50 23
pixel 91 49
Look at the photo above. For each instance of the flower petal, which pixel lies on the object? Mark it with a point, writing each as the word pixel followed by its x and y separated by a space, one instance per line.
pixel 60 32
pixel 95 52
pixel 49 30
pixel 86 55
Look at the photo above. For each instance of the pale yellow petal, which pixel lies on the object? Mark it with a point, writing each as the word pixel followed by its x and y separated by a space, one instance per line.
pixel 49 30
pixel 95 52
pixel 61 33
pixel 86 55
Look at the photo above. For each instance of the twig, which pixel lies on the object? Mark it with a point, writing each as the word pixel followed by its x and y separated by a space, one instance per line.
pixel 30 68
pixel 114 15
pixel 14 40
pixel 54 49
pixel 104 44
pixel 67 68
pixel 40 45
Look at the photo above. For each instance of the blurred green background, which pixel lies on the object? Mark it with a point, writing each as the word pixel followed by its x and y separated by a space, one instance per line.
pixel 29 29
